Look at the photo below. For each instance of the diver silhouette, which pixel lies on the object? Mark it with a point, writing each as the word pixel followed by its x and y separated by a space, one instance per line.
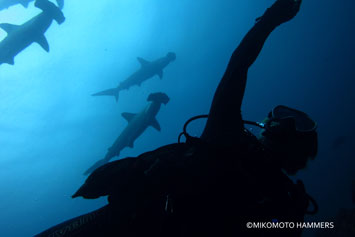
pixel 215 185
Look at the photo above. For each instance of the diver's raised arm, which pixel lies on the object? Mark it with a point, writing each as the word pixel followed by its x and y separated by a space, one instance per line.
pixel 248 50
pixel 224 123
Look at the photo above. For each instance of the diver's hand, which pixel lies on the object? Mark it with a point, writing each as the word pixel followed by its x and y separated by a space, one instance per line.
pixel 282 11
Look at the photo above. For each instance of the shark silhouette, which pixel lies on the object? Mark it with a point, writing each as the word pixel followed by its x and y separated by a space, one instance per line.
pixel 137 124
pixel 147 70
pixel 20 37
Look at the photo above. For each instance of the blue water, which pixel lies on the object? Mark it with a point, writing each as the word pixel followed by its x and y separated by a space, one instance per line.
pixel 52 130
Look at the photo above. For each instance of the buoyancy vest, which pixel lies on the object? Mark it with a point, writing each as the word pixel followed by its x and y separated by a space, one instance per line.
pixel 196 188
pixel 191 189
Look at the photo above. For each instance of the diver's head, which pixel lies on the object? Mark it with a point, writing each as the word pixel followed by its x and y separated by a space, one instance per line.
pixel 291 136
pixel 158 97
pixel 171 56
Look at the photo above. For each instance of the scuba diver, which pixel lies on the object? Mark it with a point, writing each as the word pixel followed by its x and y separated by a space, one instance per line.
pixel 218 184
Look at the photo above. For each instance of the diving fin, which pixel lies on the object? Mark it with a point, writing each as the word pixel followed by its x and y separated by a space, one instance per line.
pixel 113 92
pixel 80 192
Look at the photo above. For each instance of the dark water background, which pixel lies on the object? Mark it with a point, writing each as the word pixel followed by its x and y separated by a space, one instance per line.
pixel 52 130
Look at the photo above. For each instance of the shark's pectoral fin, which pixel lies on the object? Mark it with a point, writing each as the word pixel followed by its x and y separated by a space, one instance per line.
pixel 155 125
pixel 160 74
pixel 128 116
pixel 43 42
pixel 131 145
pixel 142 61
pixel 8 27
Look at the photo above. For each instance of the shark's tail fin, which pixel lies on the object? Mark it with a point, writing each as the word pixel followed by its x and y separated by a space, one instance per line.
pixel 47 6
pixel 113 92
pixel 95 166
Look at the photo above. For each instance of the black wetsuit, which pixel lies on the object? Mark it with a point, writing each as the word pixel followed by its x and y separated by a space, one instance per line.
pixel 211 186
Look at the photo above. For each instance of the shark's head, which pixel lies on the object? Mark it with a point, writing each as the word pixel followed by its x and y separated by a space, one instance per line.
pixel 52 9
pixel 171 56
pixel 158 97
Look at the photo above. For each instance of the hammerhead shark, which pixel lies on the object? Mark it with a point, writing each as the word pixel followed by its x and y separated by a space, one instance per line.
pixel 20 37
pixel 147 70
pixel 137 124
pixel 4 4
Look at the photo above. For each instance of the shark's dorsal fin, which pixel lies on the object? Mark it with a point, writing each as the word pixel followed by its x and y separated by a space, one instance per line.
pixel 43 42
pixel 142 61
pixel 155 124
pixel 160 74
pixel 128 116
pixel 8 27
